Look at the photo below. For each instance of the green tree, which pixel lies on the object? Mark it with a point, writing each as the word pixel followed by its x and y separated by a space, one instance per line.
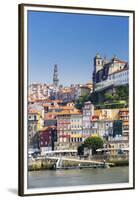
pixel 80 150
pixel 94 143
pixel 93 98
pixel 80 102
pixel 122 92
pixel 109 96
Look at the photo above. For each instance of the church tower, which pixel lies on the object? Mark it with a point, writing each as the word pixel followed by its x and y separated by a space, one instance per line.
pixel 55 76
pixel 98 65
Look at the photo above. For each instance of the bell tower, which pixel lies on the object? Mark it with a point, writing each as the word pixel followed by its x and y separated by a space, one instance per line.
pixel 98 63
pixel 55 76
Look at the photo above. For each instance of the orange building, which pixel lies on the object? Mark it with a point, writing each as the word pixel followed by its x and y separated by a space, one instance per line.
pixel 124 116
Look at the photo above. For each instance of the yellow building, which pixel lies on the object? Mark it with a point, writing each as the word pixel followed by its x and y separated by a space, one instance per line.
pixel 34 115
pixel 69 129
pixel 107 114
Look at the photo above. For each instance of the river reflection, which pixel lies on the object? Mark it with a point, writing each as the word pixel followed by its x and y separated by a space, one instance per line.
pixel 56 178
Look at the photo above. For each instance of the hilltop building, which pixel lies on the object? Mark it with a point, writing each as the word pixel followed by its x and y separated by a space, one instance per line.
pixel 108 74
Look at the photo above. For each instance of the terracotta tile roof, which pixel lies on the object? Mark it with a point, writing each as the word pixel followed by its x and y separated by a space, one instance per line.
pixel 118 71
pixel 69 113
pixel 120 61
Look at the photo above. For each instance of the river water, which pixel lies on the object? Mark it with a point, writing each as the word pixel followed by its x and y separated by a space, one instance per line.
pixel 73 177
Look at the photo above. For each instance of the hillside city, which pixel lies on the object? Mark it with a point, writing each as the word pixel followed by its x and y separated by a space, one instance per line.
pixel 63 117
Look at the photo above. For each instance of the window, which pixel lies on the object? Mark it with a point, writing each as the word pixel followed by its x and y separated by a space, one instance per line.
pixel 29 128
pixel 35 128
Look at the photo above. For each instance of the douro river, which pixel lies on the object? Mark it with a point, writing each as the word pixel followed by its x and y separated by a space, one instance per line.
pixel 73 177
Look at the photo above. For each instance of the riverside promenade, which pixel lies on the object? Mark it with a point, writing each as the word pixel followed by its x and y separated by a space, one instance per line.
pixel 64 162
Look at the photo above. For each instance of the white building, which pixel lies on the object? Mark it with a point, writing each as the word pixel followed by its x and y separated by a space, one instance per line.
pixel 120 77
pixel 102 128
pixel 38 91
pixel 76 128
pixel 88 112
pixel 115 79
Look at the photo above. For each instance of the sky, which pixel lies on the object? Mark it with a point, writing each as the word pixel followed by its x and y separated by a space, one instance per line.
pixel 71 41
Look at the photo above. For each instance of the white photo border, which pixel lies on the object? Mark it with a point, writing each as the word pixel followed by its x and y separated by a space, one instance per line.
pixel 84 188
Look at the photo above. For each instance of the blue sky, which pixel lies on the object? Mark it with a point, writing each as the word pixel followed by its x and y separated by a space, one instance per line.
pixel 71 41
